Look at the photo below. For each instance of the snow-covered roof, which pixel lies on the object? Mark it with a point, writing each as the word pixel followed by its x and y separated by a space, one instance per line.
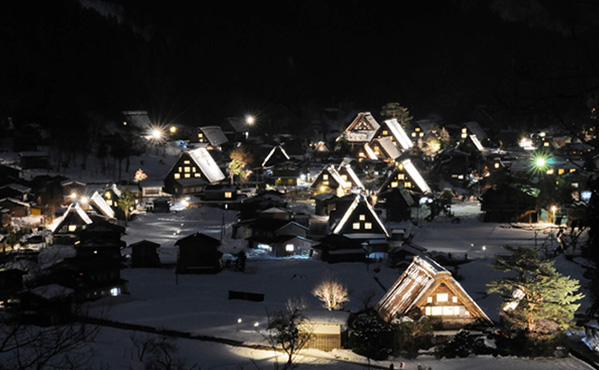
pixel 475 128
pixel 52 291
pixel 416 283
pixel 97 200
pixel 273 151
pixel 18 187
pixel 214 134
pixel 138 118
pixel 477 143
pixel 15 201
pixel 359 199
pixel 388 147
pixel 355 133
pixel 207 164
pixel 416 176
pixel 352 174
pixel 73 208
pixel 369 152
pixel 399 133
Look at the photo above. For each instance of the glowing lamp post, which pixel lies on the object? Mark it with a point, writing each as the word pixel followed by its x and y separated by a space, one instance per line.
pixel 238 322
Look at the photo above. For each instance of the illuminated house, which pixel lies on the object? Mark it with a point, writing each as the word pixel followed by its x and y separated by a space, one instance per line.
pixel 397 133
pixel 16 207
pixel 361 131
pixel 427 289
pixel 358 220
pixel 212 136
pixel 271 235
pixel 472 128
pixel 99 204
pixel 276 155
pixel 321 150
pixel 330 181
pixel 192 172
pixel 112 194
pixel 407 176
pixel 72 222
pixel 347 173
pixel 72 189
pixel 385 150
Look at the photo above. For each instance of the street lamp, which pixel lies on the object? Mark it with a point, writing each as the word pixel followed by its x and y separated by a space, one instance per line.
pixel 250 120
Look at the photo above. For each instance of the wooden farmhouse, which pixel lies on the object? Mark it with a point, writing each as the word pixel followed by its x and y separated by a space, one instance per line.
pixel 395 131
pixel 347 173
pixel 361 131
pixel 385 150
pixel 100 206
pixel 330 181
pixel 359 221
pixel 405 175
pixel 68 227
pixel 212 136
pixel 16 207
pixel 198 253
pixel 427 289
pixel 327 329
pixel 277 155
pixel 191 172
pixel 15 191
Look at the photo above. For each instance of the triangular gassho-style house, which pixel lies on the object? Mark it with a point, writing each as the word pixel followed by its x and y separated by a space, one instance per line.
pixel 191 172
pixel 70 224
pixel 276 155
pixel 385 150
pixel 360 221
pixel 404 175
pixel 330 181
pixel 398 134
pixel 213 136
pixel 99 204
pixel 347 173
pixel 361 131
pixel 427 289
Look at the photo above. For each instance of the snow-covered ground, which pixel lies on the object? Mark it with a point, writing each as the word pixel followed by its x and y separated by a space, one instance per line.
pixel 199 304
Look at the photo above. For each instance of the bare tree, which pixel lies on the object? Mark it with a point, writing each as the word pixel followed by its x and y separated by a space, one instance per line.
pixel 158 353
pixel 331 292
pixel 289 331
pixel 67 346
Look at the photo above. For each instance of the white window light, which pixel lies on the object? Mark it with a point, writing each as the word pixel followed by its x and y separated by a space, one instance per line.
pixel 289 248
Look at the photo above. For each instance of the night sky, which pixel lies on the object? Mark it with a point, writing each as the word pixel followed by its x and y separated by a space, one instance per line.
pixel 201 62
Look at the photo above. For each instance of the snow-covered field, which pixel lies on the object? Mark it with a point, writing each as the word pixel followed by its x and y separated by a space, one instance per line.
pixel 199 304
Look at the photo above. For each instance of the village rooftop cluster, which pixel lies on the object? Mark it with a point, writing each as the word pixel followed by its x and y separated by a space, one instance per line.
pixel 351 192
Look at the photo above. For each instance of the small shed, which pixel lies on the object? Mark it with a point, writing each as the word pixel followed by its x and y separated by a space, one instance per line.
pixel 144 253
pixel 327 329
pixel 198 253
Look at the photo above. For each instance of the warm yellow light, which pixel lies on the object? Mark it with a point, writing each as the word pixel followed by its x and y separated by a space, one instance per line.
pixel 173 129
pixel 107 195
pixel 156 134
pixel 553 208
pixel 73 195
pixel 250 120
pixel 84 200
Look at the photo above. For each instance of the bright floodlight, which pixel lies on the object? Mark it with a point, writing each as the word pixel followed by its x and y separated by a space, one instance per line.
pixel 250 120
pixel 540 162
pixel 156 134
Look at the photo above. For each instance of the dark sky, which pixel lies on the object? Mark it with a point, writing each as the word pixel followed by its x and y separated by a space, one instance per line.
pixel 205 60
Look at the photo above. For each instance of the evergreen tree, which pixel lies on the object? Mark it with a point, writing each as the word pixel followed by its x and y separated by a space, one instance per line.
pixel 395 110
pixel 538 300
pixel 126 202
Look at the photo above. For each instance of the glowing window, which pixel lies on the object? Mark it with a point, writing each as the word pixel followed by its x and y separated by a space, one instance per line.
pixel 362 217
pixel 421 134
pixel 186 161
pixel 72 228
pixel 325 183
pixel 193 169
pixel 401 176
pixel 187 175
pixel 107 195
pixel 429 300
pixel 400 166
pixel 289 248
pixel 417 129
pixel 464 130
pixel 356 226
pixel 180 169
pixel 413 134
pixel 407 185
pixel 394 184
pixel 449 311
pixel 367 225
pixel 427 311
pixel 344 177
pixel 572 170
pixel 385 132
pixel 177 176
pixel 464 136
pixel 325 176
pixel 437 311
pixel 228 194
pixel 197 174
pixel 187 169
pixel 442 297
pixel 454 299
